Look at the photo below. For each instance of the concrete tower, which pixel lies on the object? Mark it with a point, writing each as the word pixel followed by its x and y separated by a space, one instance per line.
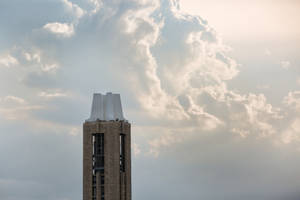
pixel 106 151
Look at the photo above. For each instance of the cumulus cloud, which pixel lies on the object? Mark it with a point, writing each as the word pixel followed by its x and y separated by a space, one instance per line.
pixel 293 100
pixel 74 8
pixel 97 5
pixel 49 67
pixel 60 29
pixel 177 77
pixel 292 133
pixel 33 57
pixel 174 73
pixel 8 60
pixel 38 60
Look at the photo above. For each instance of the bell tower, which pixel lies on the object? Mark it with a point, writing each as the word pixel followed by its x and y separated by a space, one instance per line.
pixel 106 151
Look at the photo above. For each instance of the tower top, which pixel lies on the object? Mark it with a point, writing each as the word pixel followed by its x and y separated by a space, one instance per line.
pixel 106 107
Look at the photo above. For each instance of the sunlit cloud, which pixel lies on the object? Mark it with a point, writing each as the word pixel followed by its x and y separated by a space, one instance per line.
pixel 293 100
pixel 74 8
pixel 7 60
pixel 60 29
pixel 291 134
pixel 191 100
pixel 48 95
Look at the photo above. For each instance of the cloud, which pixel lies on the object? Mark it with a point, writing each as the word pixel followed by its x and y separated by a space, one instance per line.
pixel 285 64
pixel 176 78
pixel 13 99
pixel 39 60
pixel 97 5
pixel 189 90
pixel 16 108
pixel 33 57
pixel 168 138
pixel 293 100
pixel 48 95
pixel 49 67
pixel 74 9
pixel 8 60
pixel 60 29
pixel 292 133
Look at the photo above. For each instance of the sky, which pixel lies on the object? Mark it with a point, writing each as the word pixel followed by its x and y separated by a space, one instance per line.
pixel 211 88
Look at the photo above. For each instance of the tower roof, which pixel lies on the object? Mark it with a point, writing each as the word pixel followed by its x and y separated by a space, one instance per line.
pixel 106 107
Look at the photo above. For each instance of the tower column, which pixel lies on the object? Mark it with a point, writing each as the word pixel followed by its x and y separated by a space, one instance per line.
pixel 106 152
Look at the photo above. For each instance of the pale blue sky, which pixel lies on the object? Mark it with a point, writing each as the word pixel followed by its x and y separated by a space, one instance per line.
pixel 212 89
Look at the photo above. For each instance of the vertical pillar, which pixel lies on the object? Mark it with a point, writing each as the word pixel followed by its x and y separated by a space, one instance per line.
pixel 116 181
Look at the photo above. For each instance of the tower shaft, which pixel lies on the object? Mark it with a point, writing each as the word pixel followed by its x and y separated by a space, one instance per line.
pixel 106 160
